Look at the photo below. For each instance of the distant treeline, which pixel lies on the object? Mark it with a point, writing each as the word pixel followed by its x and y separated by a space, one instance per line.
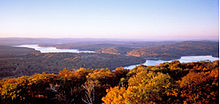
pixel 167 83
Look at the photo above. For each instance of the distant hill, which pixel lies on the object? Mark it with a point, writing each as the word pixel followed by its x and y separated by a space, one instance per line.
pixel 8 50
pixel 176 50
pixel 97 45
pixel 84 46
pixel 81 43
pixel 168 51
pixel 115 50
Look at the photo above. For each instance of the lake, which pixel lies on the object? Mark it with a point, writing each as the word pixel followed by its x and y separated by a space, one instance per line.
pixel 52 49
pixel 183 59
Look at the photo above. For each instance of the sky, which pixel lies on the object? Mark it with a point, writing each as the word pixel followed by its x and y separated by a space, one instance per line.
pixel 124 19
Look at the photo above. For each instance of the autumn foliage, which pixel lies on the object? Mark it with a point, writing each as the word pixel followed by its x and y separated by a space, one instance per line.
pixel 174 82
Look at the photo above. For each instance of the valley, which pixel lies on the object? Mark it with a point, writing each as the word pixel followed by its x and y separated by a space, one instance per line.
pixel 33 57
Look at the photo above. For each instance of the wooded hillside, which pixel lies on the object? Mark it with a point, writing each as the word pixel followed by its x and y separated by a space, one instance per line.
pixel 173 83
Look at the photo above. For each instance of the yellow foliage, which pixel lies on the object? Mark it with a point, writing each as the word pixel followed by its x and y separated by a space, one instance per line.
pixel 114 96
pixel 145 87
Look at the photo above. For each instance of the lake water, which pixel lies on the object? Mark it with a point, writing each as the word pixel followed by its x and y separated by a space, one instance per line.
pixel 183 59
pixel 53 49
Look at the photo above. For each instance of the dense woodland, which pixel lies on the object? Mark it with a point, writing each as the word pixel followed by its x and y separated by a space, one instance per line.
pixel 13 66
pixel 174 83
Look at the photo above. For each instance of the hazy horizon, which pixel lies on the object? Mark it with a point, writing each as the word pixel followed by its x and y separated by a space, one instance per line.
pixel 107 39
pixel 151 20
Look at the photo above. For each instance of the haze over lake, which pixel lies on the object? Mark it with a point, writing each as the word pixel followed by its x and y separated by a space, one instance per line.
pixel 52 49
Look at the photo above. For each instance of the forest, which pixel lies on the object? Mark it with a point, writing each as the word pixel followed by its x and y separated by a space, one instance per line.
pixel 167 83
pixel 30 77
pixel 14 66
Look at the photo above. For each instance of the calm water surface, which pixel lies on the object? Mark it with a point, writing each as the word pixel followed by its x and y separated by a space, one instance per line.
pixel 52 49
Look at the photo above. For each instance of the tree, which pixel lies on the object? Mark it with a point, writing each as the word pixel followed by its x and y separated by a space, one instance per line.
pixel 89 87
pixel 201 87
pixel 144 87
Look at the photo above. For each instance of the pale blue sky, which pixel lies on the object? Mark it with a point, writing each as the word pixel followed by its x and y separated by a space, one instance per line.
pixel 130 19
